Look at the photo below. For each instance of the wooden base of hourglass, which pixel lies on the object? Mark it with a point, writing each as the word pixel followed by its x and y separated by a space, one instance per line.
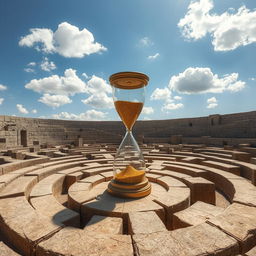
pixel 130 183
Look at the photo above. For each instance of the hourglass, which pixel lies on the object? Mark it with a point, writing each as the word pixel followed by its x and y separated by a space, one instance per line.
pixel 129 166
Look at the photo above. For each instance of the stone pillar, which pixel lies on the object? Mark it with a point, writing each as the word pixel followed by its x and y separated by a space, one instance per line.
pixel 80 142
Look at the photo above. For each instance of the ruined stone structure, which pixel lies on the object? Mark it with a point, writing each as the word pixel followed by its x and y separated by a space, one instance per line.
pixel 203 202
pixel 231 129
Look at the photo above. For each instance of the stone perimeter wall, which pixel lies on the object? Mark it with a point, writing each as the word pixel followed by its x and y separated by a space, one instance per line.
pixel 231 129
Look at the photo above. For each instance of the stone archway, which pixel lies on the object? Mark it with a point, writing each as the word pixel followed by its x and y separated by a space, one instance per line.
pixel 23 138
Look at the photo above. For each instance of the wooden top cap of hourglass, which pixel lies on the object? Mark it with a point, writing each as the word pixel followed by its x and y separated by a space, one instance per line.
pixel 128 80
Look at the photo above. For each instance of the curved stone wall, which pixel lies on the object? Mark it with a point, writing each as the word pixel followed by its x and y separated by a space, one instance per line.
pixel 231 129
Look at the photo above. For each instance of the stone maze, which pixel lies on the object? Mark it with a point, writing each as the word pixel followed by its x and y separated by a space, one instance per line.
pixel 53 201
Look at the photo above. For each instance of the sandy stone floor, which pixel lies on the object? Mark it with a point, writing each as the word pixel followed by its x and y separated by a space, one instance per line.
pixel 200 204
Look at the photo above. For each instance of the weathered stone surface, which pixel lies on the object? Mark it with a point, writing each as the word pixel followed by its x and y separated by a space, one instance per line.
pixel 239 221
pixel 241 156
pixel 196 214
pixel 201 190
pixel 191 241
pixel 76 242
pixel 22 225
pixel 96 179
pixel 7 178
pixel 107 225
pixel 176 199
pixel 153 177
pixel 245 192
pixel 223 166
pixel 50 185
pixel 19 187
pixel 145 222
pixel 48 206
pixel 7 251
pixel 72 178
pixel 107 175
pixel 252 252
pixel 169 182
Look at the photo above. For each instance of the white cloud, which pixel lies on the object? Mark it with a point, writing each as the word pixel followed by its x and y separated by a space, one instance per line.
pixel 171 106
pixel 85 76
pixel 29 70
pixel 147 110
pixel 34 111
pixel 90 115
pixel 228 30
pixel 145 41
pixel 177 98
pixel 67 41
pixel 47 65
pixel 3 87
pixel 1 101
pixel 22 109
pixel 161 94
pixel 212 102
pixel 99 101
pixel 99 91
pixel 43 36
pixel 31 64
pixel 55 100
pixel 69 84
pixel 152 57
pixel 202 80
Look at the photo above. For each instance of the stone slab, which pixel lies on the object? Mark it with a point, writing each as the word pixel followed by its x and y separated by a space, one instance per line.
pixel 7 178
pixel 201 190
pixel 50 185
pixel 78 242
pixel 107 175
pixel 191 241
pixel 144 222
pixel 48 206
pixel 94 180
pixel 22 225
pixel 72 178
pixel 19 187
pixel 170 182
pixel 196 214
pixel 106 225
pixel 239 221
pixel 223 166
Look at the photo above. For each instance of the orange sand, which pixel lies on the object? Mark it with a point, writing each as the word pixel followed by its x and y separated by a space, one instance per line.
pixel 128 111
pixel 130 175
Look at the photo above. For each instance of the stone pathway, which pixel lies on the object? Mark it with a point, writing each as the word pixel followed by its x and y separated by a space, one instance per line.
pixel 202 203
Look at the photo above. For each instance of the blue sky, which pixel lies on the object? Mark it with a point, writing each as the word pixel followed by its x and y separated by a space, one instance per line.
pixel 56 56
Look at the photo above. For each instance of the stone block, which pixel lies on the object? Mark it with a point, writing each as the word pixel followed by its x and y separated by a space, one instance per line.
pixel 50 207
pixel 223 166
pixel 106 225
pixel 196 214
pixel 201 190
pixel 189 241
pixel 19 187
pixel 70 241
pixel 72 178
pixel 241 156
pixel 239 221
pixel 144 223
pixel 22 226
